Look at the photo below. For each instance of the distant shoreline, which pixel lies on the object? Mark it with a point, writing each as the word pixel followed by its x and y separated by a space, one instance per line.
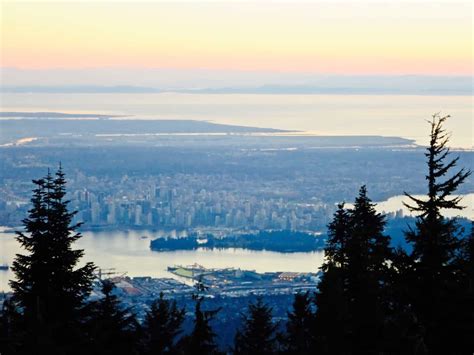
pixel 12 229
pixel 260 90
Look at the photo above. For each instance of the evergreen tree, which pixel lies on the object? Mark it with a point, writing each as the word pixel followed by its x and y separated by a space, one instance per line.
pixel 467 261
pixel 4 327
pixel 201 341
pixel 332 327
pixel 10 334
pixel 436 244
pixel 332 317
pixel 404 334
pixel 300 327
pixel 351 295
pixel 258 333
pixel 112 329
pixel 463 298
pixel 161 326
pixel 368 253
pixel 339 232
pixel 49 289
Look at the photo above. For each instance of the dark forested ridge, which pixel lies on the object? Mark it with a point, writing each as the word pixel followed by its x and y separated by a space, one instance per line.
pixel 285 241
pixel 372 298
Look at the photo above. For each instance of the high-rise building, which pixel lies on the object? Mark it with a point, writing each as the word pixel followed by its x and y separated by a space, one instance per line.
pixel 95 213
pixel 111 216
pixel 138 215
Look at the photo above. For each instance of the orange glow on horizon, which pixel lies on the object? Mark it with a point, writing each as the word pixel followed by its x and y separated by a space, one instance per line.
pixel 327 38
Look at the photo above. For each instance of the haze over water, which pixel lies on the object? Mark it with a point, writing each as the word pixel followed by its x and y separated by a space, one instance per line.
pixel 128 252
pixel 387 115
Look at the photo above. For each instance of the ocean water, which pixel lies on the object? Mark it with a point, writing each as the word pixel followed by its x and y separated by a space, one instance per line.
pixel 129 252
pixel 395 203
pixel 387 115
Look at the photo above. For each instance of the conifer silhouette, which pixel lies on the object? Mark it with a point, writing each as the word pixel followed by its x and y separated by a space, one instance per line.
pixel 332 314
pixel 201 341
pixel 258 332
pixel 300 327
pixel 161 326
pixel 350 298
pixel 436 243
pixel 49 288
pixel 112 329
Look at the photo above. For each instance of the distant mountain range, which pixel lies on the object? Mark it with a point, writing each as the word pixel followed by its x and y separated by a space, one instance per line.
pixel 390 86
pixel 157 80
pixel 79 89
pixel 54 115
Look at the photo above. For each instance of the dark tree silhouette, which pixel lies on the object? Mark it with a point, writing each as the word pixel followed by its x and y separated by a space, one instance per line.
pixel 201 341
pixel 404 334
pixel 161 326
pixel 350 300
pixel 467 261
pixel 436 243
pixel 112 329
pixel 49 289
pixel 300 328
pixel 332 317
pixel 10 333
pixel 368 253
pixel 258 332
pixel 339 231
pixel 462 298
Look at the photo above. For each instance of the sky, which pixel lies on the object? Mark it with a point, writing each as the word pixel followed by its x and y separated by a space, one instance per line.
pixel 318 37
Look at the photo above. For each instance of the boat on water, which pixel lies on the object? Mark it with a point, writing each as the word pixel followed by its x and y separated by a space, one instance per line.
pixel 4 267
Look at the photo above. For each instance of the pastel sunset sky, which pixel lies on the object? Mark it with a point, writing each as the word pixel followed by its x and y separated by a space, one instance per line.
pixel 338 37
